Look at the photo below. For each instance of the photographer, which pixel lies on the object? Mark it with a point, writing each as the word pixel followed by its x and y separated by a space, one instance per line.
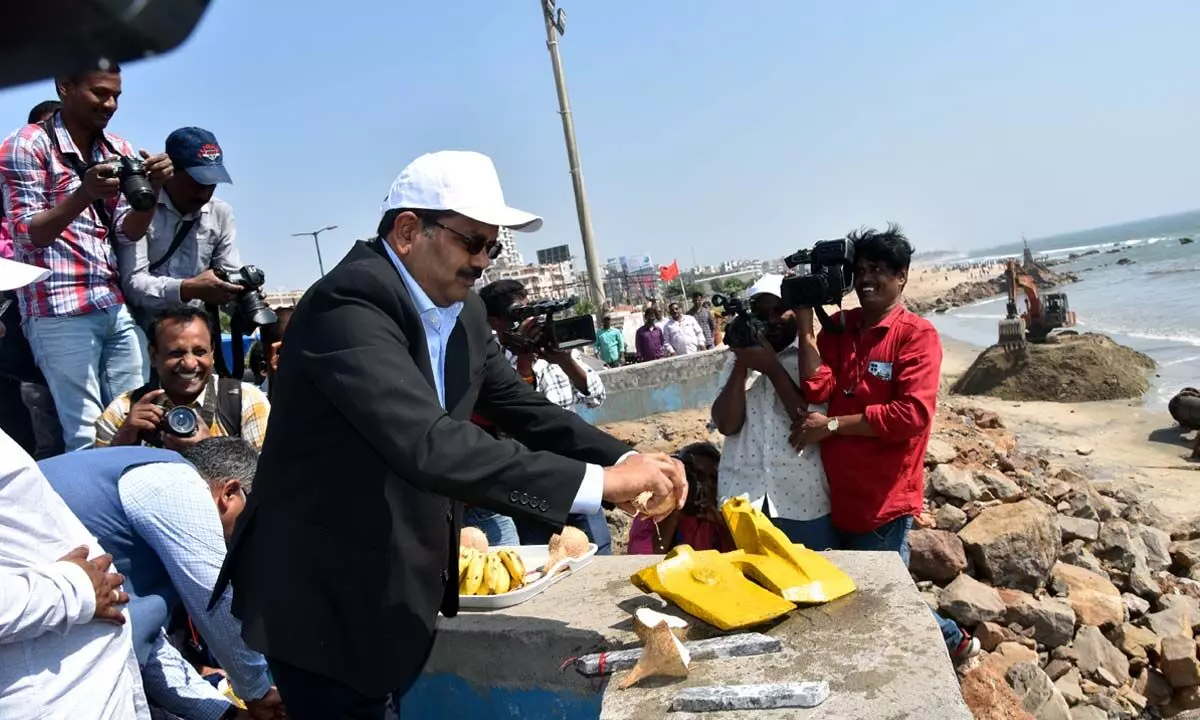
pixel 558 375
pixel 182 349
pixel 192 233
pixel 67 184
pixel 882 395
pixel 758 402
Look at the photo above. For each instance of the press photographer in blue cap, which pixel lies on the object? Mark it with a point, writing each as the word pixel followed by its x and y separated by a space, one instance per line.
pixel 189 250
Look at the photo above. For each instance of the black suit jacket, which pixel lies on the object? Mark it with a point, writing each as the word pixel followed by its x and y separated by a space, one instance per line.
pixel 348 547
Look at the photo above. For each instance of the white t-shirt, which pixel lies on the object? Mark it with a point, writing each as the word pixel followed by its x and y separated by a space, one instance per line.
pixel 759 462
pixel 684 335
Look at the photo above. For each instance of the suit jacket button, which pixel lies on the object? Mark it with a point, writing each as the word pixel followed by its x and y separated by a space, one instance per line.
pixel 544 506
pixel 450 516
pixel 524 498
pixel 533 501
pixel 445 576
pixel 514 496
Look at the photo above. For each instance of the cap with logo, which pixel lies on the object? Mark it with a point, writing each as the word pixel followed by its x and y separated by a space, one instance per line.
pixel 459 181
pixel 15 275
pixel 196 151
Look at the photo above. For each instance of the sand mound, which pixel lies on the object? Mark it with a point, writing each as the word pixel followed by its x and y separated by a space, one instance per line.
pixel 1076 368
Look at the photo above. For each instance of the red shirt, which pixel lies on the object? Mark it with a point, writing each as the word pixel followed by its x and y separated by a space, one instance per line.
pixel 893 370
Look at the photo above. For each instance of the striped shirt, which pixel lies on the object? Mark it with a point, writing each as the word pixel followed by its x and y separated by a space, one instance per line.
pixel 83 260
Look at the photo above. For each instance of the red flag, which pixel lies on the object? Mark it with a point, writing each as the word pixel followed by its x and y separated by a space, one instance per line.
pixel 669 272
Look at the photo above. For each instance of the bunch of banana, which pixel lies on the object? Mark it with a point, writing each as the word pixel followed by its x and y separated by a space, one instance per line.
pixel 492 573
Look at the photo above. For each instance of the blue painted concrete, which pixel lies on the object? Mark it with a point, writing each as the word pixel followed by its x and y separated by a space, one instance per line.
pixel 636 391
pixel 446 695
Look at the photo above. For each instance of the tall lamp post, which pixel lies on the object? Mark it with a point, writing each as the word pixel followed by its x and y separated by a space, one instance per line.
pixel 317 242
pixel 556 25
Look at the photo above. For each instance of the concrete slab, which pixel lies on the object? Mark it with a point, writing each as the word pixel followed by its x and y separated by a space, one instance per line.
pixel 879 649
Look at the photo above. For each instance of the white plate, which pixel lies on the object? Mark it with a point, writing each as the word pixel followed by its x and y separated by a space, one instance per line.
pixel 535 556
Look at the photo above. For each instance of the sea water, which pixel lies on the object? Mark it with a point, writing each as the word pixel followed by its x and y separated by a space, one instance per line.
pixel 1151 305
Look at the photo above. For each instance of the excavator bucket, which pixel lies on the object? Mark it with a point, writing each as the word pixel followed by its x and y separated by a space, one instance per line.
pixel 765 554
pixel 1012 334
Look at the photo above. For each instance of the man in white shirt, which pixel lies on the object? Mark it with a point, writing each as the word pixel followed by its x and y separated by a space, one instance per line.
pixel 65 647
pixel 682 332
pixel 759 398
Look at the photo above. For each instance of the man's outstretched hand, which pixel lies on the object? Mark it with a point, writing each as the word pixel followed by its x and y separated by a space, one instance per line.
pixel 657 473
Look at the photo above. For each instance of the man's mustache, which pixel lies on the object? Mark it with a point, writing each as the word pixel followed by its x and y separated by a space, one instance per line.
pixel 471 273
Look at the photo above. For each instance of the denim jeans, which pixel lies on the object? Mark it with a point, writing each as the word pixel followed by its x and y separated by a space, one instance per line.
pixel 47 431
pixel 595 526
pixel 894 536
pixel 815 534
pixel 88 360
pixel 500 529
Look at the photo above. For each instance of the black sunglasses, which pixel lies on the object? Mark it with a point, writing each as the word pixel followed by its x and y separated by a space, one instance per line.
pixel 474 244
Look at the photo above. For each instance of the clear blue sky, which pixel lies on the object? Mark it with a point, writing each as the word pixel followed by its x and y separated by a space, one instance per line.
pixel 701 126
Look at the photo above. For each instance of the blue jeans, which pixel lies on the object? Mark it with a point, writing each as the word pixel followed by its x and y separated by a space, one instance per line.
pixel 594 526
pixel 816 534
pixel 894 536
pixel 500 529
pixel 88 360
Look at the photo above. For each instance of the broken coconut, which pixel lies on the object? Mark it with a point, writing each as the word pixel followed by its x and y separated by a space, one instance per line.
pixel 662 653
pixel 645 619
pixel 473 537
pixel 641 505
pixel 570 543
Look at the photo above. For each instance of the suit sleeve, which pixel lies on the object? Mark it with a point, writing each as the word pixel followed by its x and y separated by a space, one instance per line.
pixel 359 358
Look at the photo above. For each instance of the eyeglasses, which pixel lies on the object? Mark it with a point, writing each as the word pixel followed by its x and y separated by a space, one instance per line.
pixel 474 244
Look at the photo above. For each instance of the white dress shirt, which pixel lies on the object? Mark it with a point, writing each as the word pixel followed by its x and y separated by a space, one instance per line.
pixel 684 335
pixel 759 462
pixel 55 661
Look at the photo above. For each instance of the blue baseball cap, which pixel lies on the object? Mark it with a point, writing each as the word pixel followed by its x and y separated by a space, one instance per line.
pixel 197 151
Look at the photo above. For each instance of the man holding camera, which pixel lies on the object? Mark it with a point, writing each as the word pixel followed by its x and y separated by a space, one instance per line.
pixel 191 236
pixel 882 394
pixel 188 402
pixel 758 401
pixel 69 188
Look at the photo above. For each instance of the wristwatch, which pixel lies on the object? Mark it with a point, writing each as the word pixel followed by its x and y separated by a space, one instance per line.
pixel 832 425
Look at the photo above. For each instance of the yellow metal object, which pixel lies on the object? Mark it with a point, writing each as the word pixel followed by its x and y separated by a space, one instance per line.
pixel 766 555
pixel 707 585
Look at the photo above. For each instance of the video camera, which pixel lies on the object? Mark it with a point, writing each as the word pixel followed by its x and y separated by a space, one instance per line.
pixel 744 329
pixel 557 334
pixel 251 306
pixel 830 278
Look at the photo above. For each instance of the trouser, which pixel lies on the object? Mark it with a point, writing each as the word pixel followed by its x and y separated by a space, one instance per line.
pixel 309 696
pixel 500 529
pixel 595 526
pixel 894 536
pixel 815 534
pixel 14 418
pixel 88 360
pixel 43 416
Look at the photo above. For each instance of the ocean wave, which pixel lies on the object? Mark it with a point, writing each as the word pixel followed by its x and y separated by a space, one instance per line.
pixel 1173 271
pixel 1184 338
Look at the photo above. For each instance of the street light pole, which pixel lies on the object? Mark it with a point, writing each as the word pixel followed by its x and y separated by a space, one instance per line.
pixel 316 241
pixel 556 26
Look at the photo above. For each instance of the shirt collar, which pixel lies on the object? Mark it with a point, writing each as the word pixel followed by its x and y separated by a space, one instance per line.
pixel 165 200
pixel 67 143
pixel 199 401
pixel 419 296
pixel 856 317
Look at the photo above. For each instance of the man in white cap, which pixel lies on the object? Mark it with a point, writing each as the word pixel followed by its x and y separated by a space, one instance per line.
pixel 65 644
pixel 348 548
pixel 760 398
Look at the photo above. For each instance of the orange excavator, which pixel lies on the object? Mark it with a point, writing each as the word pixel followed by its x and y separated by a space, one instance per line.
pixel 1041 316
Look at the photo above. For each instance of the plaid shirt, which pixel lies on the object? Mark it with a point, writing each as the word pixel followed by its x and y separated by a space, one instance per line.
pixel 553 382
pixel 83 261
pixel 255 410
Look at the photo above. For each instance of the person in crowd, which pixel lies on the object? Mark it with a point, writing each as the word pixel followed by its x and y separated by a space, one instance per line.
pixel 561 377
pixel 192 234
pixel 648 340
pixel 166 518
pixel 65 205
pixel 610 344
pixel 758 401
pixel 388 355
pixel 699 524
pixel 882 393
pixel 182 352
pixel 27 412
pixel 682 332
pixel 266 351
pixel 703 314
pixel 63 607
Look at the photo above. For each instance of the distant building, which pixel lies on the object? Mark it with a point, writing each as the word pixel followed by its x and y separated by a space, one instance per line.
pixel 283 298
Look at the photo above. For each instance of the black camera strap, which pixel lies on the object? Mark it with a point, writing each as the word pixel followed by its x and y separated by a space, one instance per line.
pixel 80 168
pixel 185 227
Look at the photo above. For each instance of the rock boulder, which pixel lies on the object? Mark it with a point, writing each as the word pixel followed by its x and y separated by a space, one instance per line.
pixel 1095 600
pixel 1015 545
pixel 936 555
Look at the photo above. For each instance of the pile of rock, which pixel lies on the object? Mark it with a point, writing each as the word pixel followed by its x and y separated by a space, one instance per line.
pixel 1085 603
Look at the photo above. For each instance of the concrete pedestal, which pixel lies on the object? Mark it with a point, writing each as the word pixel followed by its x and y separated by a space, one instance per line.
pixel 879 649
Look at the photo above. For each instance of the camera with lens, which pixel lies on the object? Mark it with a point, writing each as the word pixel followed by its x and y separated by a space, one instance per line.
pixel 135 181
pixel 743 329
pixel 251 306
pixel 556 333
pixel 829 278
pixel 182 422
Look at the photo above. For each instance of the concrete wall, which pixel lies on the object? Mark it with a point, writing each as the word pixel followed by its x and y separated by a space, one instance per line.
pixel 676 383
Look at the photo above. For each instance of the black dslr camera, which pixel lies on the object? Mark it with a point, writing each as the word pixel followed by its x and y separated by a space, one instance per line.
pixel 829 278
pixel 181 422
pixel 135 181
pixel 744 329
pixel 251 307
pixel 557 334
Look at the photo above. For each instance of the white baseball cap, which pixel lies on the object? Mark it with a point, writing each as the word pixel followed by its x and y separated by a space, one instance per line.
pixel 460 181
pixel 15 275
pixel 771 283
